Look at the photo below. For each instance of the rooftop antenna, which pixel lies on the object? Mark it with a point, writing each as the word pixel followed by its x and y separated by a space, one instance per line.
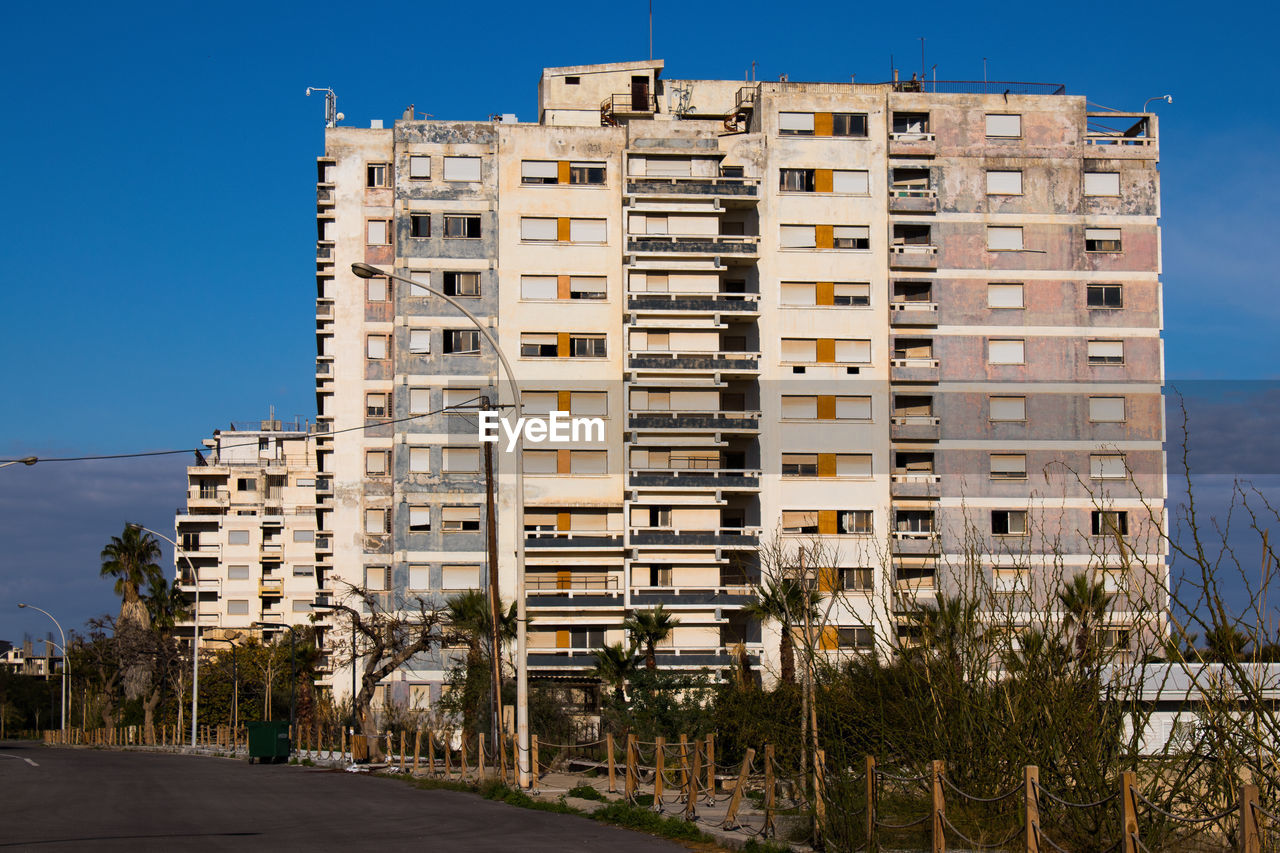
pixel 922 66
pixel 331 114
pixel 650 30
pixel 984 70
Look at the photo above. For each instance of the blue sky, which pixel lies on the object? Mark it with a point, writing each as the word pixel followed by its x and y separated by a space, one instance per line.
pixel 158 176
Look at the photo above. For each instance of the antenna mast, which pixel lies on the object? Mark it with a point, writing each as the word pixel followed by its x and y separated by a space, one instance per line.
pixel 650 30
pixel 331 114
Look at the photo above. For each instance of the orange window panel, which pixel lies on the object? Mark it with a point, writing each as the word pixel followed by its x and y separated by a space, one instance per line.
pixel 827 408
pixel 562 283
pixel 826 351
pixel 826 464
pixel 830 638
pixel 824 236
pixel 825 293
pixel 563 400
pixel 562 172
pixel 822 180
pixel 563 581
pixel 562 229
pixel 562 639
pixel 562 462
pixel 827 522
pixel 828 579
pixel 563 348
pixel 823 125
pixel 564 520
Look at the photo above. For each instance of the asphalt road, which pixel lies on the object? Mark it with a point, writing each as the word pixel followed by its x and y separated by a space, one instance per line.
pixel 83 799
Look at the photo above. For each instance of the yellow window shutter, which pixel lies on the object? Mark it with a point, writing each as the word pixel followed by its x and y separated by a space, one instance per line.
pixel 562 229
pixel 827 579
pixel 562 175
pixel 826 464
pixel 830 638
pixel 562 639
pixel 562 461
pixel 563 400
pixel 826 351
pixel 562 345
pixel 563 580
pixel 827 521
pixel 822 124
pixel 824 236
pixel 825 293
pixel 564 521
pixel 822 181
pixel 826 408
pixel 562 286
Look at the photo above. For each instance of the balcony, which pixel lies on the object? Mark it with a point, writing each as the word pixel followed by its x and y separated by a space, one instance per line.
pixel 1107 134
pixel 702 362
pixel 677 597
pixel 911 313
pixel 324 251
pixel 695 421
pixel 915 542
pixel 725 537
pixel 271 587
pixel 637 104
pixel 914 485
pixel 913 370
pixel 695 478
pixel 325 195
pixel 915 428
pixel 693 244
pixel 912 144
pixel 683 303
pixel 681 187
pixel 205 496
pixel 559 540
pixel 324 366
pixel 324 308
pixel 913 256
pixel 681 658
pixel 913 200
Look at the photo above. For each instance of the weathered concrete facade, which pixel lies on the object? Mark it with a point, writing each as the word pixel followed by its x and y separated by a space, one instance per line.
pixel 849 311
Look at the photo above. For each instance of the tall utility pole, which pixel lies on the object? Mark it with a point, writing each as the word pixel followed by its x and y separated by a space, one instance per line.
pixel 495 599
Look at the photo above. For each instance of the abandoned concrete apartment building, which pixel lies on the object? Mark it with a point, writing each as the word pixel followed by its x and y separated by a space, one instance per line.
pixel 859 314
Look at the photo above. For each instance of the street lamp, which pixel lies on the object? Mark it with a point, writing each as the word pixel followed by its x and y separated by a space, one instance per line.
pixel 65 662
pixel 331 607
pixel 293 672
pixel 522 617
pixel 26 460
pixel 195 626
pixel 1168 99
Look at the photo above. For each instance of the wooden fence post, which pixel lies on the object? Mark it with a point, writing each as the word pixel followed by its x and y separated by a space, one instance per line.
pixel 870 804
pixel 1250 837
pixel 480 757
pixel 684 768
pixel 659 765
pixel 608 743
pixel 431 753
pixel 533 761
pixel 402 750
pixel 1031 781
pixel 736 799
pixel 1128 812
pixel 691 775
pixel 711 769
pixel 342 741
pixel 820 793
pixel 448 759
pixel 770 791
pixel 629 785
pixel 417 749
pixel 937 768
pixel 462 760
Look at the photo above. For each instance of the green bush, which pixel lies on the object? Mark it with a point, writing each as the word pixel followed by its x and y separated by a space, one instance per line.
pixel 585 792
pixel 641 819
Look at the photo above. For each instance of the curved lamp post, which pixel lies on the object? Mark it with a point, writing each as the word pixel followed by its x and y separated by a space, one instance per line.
pixel 65 662
pixel 522 616
pixel 195 627
pixel 1168 99
pixel 26 460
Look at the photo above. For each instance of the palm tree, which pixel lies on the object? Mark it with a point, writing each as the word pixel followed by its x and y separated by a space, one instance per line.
pixel 783 601
pixel 648 628
pixel 614 665
pixel 1085 604
pixel 469 615
pixel 166 605
pixel 130 558
pixel 1225 643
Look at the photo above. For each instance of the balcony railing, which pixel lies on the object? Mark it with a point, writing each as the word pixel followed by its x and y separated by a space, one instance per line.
pixel 724 537
pixel 909 313
pixel 727 421
pixel 682 186
pixel 913 200
pixel 694 244
pixel 572 538
pixel 721 361
pixel 716 302
pixel 914 428
pixel 913 256
pixel 695 478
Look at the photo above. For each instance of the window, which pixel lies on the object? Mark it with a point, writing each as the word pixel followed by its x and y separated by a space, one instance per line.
pixel 541 462
pixel 377 521
pixel 419 577
pixel 1008 408
pixel 420 519
pixel 798 237
pixel 420 224
pixel 855 579
pixel 1107 466
pixel 587 231
pixel 851 237
pixel 799 464
pixel 1102 183
pixel 910 124
pixel 539 287
pixel 377 346
pixel 375 289
pixel 300 571
pixel 586 174
pixel 856 522
pixel 1008 466
pixel 420 282
pixel 238 573
pixel 238 607
pixel 1106 409
pixel 1004 296
pixel 539 229
pixel 376 578
pixel 795 124
pixel 462 169
pixel 850 182
pixel 588 462
pixel 462 283
pixel 419 166
pixel 1102 239
pixel 376 462
pixel 1004 183
pixel 419 341
pixel 1106 352
pixel 849 124
pixel 539 172
pixel 377 175
pixel 587 346
pixel 589 403
pixel 1005 352
pixel 462 341
pixel 796 407
pixel 572 81
pixel 799 521
pixel 853 465
pixel 1104 522
pixel 462 401
pixel 462 226
pixel 1009 522
pixel 419 400
pixel 461 460
pixel 1105 296
pixel 851 293
pixel 587 287
pixel 460 519
pixel 304 536
pixel 246 484
pixel 535 345
pixel 378 232
pixel 1004 126
pixel 1003 238
pixel 796 180
pixel 419 460
pixel 856 637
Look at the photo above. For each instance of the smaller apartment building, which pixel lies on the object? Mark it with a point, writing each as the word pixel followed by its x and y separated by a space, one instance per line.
pixel 246 538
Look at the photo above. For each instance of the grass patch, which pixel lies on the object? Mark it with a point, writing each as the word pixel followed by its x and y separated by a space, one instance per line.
pixel 754 846
pixel 641 819
pixel 585 792
pixel 499 792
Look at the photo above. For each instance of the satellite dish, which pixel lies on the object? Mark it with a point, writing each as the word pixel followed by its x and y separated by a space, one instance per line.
pixel 340 117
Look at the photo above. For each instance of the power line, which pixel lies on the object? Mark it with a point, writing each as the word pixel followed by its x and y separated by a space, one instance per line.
pixel 147 453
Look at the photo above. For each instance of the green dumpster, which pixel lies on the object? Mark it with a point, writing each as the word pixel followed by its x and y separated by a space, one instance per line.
pixel 269 741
